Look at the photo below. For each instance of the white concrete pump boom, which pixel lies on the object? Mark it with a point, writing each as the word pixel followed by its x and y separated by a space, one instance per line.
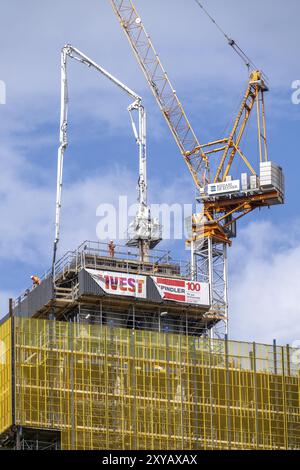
pixel 140 135
pixel 140 138
pixel 78 55
pixel 144 232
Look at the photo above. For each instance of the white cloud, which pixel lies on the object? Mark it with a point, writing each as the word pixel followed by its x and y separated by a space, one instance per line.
pixel 27 208
pixel 34 43
pixel 264 284
pixel 198 60
pixel 27 205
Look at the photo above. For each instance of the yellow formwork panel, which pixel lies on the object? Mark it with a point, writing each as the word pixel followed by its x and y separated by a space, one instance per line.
pixel 5 377
pixel 114 388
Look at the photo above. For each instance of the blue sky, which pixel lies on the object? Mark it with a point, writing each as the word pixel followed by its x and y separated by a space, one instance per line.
pixel 101 160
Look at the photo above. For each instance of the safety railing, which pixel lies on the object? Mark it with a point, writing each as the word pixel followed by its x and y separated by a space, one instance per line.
pixel 96 255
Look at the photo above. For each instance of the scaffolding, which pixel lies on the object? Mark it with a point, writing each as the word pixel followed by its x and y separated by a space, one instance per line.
pixel 5 375
pixel 102 387
pixel 75 295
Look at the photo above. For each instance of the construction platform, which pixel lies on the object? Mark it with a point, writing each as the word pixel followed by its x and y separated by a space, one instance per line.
pixel 80 292
pixel 82 386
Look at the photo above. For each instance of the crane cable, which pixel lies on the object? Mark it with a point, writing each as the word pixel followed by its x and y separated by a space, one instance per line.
pixel 247 61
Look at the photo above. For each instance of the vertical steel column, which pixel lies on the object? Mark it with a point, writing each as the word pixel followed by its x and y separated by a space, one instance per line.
pixel 133 385
pixel 193 262
pixel 210 271
pixel 13 378
pixel 257 436
pixel 101 314
pixel 288 359
pixel 168 387
pixel 225 275
pixel 13 367
pixel 18 438
pixel 228 392
pixel 210 341
pixel 284 411
pixel 288 394
pixel 218 262
pixel 181 394
pixel 196 399
pixel 133 316
pixel 72 394
pixel 275 356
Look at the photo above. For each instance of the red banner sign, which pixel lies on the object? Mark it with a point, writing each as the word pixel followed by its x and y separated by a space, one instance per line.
pixel 180 290
pixel 120 283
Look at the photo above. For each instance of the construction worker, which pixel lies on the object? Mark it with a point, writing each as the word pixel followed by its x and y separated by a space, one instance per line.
pixel 111 249
pixel 35 280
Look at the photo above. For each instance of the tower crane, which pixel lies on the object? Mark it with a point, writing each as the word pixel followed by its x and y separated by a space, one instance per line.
pixel 144 231
pixel 223 200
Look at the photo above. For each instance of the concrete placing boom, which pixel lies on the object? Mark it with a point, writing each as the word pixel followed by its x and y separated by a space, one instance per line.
pixel 149 237
pixel 224 201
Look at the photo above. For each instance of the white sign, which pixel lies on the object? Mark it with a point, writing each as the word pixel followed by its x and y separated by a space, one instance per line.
pixel 225 187
pixel 180 290
pixel 116 283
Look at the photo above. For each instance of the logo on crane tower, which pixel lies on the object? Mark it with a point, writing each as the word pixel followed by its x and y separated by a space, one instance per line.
pixel 225 187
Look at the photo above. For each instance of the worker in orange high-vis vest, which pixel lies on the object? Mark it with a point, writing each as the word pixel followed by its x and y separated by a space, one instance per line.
pixel 36 280
pixel 111 249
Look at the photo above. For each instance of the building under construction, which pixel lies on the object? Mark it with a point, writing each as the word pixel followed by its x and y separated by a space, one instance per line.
pixel 136 369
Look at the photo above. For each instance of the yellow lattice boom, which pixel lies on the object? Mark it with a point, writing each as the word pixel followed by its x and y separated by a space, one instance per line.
pixel 117 388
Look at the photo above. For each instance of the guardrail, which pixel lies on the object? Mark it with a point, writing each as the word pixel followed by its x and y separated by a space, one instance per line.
pixel 88 253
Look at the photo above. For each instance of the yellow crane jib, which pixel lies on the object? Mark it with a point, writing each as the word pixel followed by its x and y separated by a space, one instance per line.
pixel 163 90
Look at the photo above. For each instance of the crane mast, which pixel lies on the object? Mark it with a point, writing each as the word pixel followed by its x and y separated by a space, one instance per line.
pixel 223 201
